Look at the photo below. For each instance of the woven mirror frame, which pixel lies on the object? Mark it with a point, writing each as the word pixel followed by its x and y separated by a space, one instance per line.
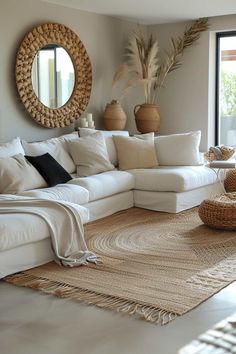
pixel 35 40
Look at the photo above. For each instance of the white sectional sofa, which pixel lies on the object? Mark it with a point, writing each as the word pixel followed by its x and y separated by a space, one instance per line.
pixel 165 188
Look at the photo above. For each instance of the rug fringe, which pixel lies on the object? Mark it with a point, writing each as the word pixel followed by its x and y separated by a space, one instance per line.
pixel 144 312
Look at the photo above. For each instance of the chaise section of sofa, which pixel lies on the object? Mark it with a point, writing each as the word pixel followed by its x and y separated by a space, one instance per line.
pixel 173 189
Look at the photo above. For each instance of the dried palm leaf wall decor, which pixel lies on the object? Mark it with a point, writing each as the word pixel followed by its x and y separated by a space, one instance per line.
pixel 146 67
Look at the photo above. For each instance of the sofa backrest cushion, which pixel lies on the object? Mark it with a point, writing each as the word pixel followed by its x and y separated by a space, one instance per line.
pixel 56 147
pixel 90 155
pixel 50 169
pixel 11 148
pixel 107 134
pixel 18 175
pixel 136 151
pixel 179 149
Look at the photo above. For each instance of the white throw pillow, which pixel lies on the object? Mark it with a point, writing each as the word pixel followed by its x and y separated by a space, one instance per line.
pixel 178 149
pixel 18 175
pixel 136 151
pixel 90 155
pixel 11 148
pixel 107 134
pixel 57 147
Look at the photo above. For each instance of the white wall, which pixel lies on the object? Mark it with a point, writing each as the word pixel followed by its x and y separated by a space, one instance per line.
pixel 104 38
pixel 187 100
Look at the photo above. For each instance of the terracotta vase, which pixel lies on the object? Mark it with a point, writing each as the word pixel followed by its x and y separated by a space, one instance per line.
pixel 147 118
pixel 114 116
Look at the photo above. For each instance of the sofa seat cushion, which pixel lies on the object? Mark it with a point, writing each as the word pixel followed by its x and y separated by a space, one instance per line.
pixel 68 193
pixel 173 179
pixel 105 184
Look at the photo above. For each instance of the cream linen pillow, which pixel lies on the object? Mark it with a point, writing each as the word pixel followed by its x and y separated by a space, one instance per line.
pixel 11 148
pixel 18 175
pixel 136 152
pixel 108 136
pixel 179 149
pixel 57 147
pixel 90 155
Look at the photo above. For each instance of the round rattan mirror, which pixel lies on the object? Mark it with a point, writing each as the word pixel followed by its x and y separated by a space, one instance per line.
pixel 56 36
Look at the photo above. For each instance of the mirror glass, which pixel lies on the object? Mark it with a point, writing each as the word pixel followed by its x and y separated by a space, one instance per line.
pixel 53 76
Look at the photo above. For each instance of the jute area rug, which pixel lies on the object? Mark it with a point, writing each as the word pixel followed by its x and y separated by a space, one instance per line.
pixel 156 266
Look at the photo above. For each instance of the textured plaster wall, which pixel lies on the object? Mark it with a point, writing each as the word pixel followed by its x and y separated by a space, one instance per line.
pixel 186 102
pixel 104 38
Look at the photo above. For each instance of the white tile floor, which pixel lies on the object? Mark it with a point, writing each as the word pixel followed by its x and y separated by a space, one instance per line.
pixel 34 323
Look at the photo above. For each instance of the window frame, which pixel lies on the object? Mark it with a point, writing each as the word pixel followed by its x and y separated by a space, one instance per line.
pixel 219 35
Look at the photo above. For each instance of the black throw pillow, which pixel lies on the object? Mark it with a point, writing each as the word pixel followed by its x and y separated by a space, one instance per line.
pixel 50 169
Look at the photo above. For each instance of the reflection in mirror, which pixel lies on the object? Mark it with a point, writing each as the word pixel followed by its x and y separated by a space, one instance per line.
pixel 53 76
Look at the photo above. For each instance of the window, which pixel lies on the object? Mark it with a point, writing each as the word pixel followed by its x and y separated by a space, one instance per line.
pixel 226 89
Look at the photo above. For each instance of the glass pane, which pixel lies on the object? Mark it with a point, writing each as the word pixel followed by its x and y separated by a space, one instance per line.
pixel 65 76
pixel 227 91
pixel 53 76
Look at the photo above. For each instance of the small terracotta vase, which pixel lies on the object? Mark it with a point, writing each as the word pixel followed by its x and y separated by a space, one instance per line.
pixel 114 116
pixel 147 118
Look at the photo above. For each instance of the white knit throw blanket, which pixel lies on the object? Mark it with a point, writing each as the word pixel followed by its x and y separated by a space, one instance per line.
pixel 64 225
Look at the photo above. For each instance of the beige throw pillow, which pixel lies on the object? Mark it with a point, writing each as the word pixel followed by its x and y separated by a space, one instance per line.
pixel 136 152
pixel 90 155
pixel 18 175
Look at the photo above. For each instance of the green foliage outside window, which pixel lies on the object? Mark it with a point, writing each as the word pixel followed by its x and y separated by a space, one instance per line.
pixel 228 94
